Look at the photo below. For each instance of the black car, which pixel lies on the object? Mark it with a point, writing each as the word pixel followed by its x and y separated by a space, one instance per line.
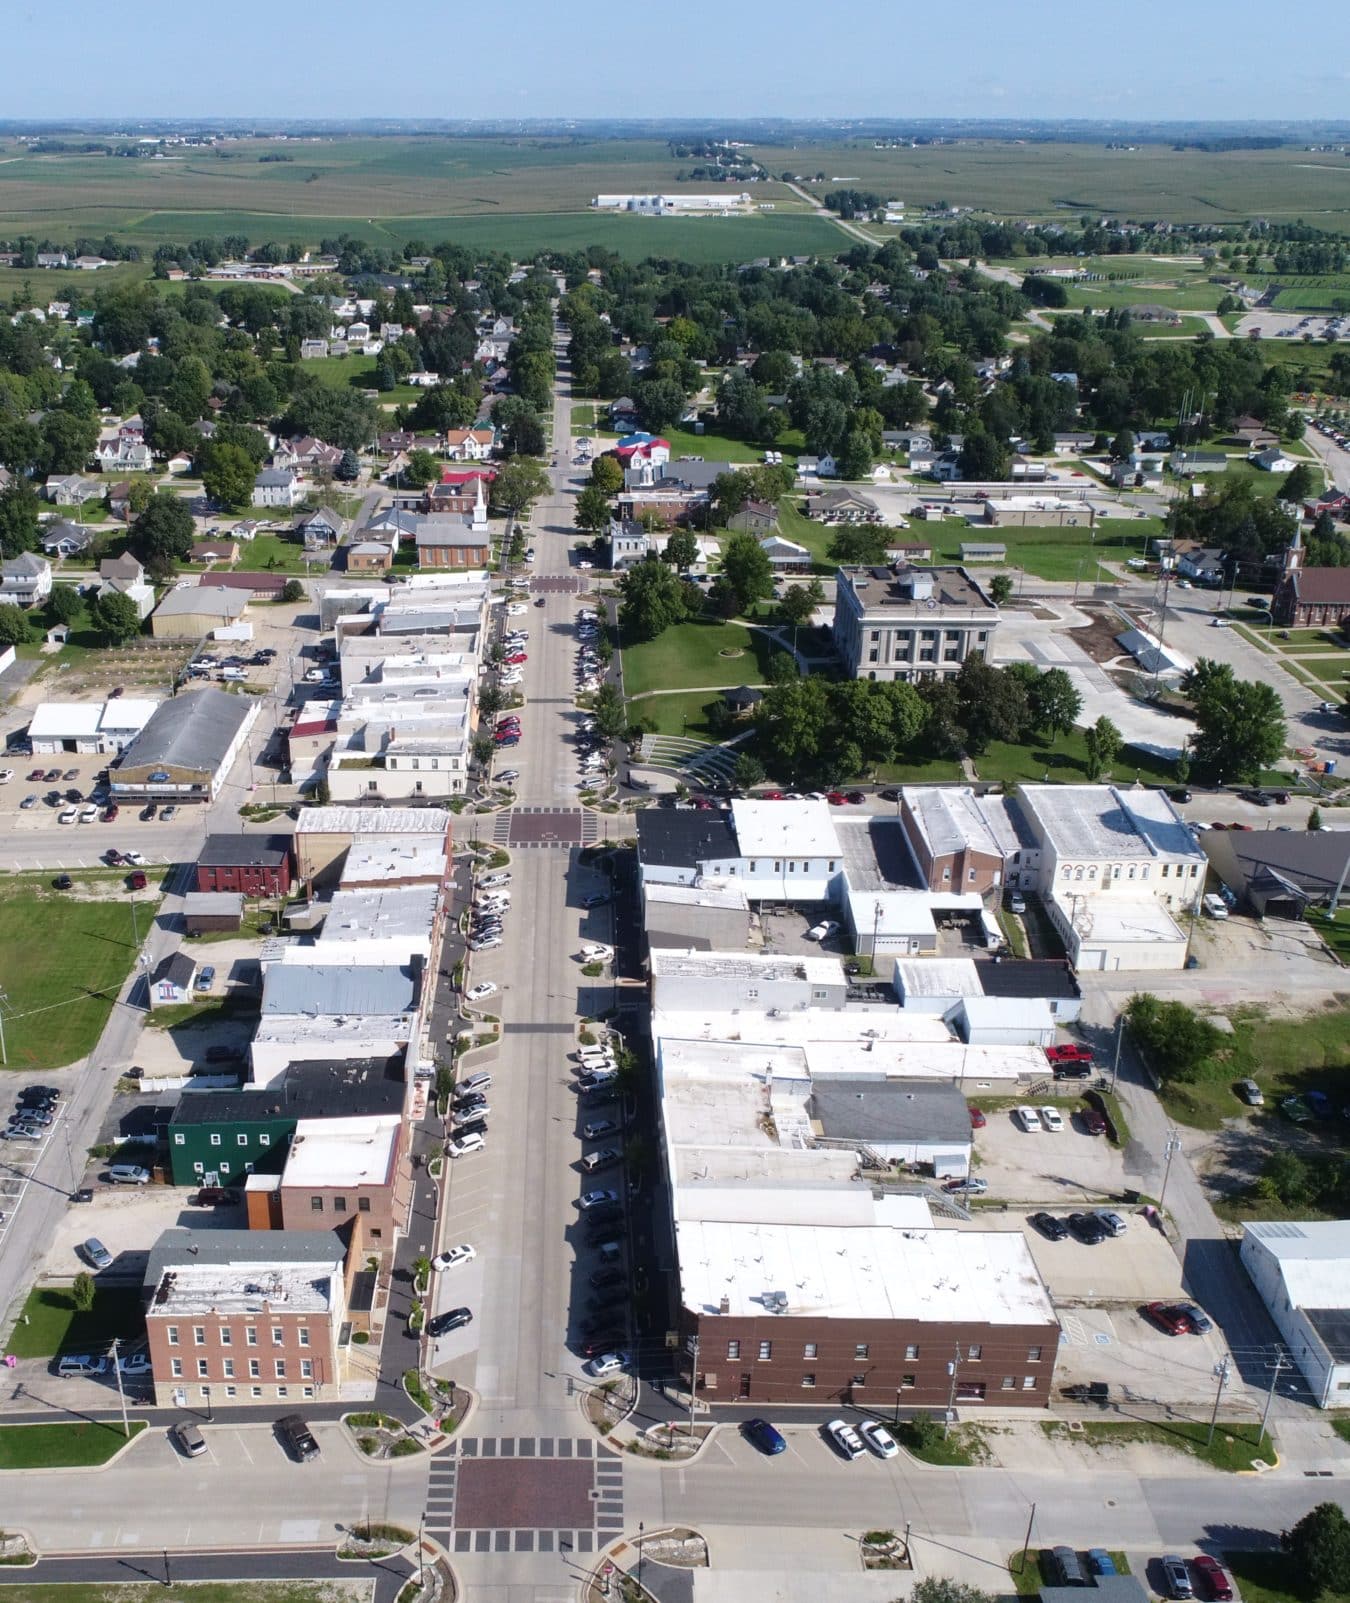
pixel 63 882
pixel 601 1278
pixel 39 1093
pixel 468 1127
pixel 298 1437
pixel 1049 1226
pixel 149 811
pixel 604 1213
pixel 1180 794
pixel 470 1102
pixel 455 1319
pixel 1088 1228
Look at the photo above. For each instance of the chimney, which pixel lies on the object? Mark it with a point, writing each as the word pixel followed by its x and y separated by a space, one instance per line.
pixel 724 1307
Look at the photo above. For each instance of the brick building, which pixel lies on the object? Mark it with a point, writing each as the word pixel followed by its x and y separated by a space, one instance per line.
pixel 257 865
pixel 236 1317
pixel 951 839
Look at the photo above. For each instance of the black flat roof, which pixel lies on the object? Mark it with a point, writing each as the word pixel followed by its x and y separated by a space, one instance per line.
pixel 1035 976
pixel 678 838
pixel 244 851
pixel 890 1110
pixel 364 1087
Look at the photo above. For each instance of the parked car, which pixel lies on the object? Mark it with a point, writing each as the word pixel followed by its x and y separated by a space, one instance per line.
pixel 606 1363
pixel 596 1199
pixel 1069 1053
pixel 821 931
pixel 1198 1320
pixel 470 1142
pixel 1067 1567
pixel 463 1253
pixel 206 978
pixel 1214 1582
pixel 1051 1119
pixel 452 1319
pixel 1169 1319
pixel 969 1185
pixel 298 1437
pixel 128 1174
pixel 1249 1092
pixel 191 1442
pixel 1100 1561
pixel 1027 1118
pixel 1094 1122
pixel 95 1254
pixel 1049 1225
pixel 1111 1222
pixel 879 1439
pixel 83 1365
pixel 845 1439
pixel 602 1159
pixel 760 1433
pixel 599 1128
pixel 1176 1578
pixel 479 992
pixel 977 1118
pixel 1088 1228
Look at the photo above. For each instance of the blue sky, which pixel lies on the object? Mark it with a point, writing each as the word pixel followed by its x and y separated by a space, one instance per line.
pixel 703 58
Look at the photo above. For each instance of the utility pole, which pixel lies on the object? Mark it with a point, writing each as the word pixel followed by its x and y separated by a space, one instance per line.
pixel 1277 1369
pixel 1026 1545
pixel 422 1551
pixel 1115 1062
pixel 1221 1375
pixel 121 1392
pixel 952 1369
pixel 4 1055
pixel 693 1387
pixel 1170 1149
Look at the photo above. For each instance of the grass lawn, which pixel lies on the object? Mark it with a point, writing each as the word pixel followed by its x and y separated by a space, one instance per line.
pixel 1264 1578
pixel 682 714
pixel 70 1446
pixel 1334 931
pixel 337 1591
pixel 1234 1447
pixel 55 1325
pixel 816 537
pixel 1052 553
pixel 687 657
pixel 1284 1056
pixel 714 447
pixel 919 771
pixel 585 415
pixel 1065 759
pixel 63 959
pixel 269 552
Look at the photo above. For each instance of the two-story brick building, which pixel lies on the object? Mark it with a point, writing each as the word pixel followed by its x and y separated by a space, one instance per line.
pixel 257 865
pixel 236 1317
pixel 950 839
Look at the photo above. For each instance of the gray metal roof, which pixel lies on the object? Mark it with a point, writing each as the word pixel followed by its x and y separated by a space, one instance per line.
pixel 890 1110
pixel 225 1247
pixel 240 851
pixel 373 990
pixel 193 729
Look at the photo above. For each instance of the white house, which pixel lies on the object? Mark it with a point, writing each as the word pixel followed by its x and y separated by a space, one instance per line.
pixel 25 580
pixel 629 543
pixel 276 487
pixel 124 454
pixel 469 445
pixel 1302 1272
pixel 1272 460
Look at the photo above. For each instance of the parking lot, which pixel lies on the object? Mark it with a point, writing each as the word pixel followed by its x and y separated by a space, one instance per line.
pixel 1065 1168
pixel 128 1220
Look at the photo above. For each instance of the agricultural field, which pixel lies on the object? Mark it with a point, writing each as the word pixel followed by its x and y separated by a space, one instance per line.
pixel 1319 292
pixel 1055 181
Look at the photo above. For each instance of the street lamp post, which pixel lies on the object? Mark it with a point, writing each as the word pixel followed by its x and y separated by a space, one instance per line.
pixel 953 1369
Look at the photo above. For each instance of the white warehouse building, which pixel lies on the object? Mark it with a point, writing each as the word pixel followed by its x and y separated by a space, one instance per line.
pixel 1302 1272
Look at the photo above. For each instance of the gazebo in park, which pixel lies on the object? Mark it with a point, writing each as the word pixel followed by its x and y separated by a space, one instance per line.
pixel 742 701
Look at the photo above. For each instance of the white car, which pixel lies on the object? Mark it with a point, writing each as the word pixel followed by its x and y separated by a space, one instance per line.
pixel 466 1145
pixel 818 932
pixel 489 945
pixel 479 992
pixel 517 609
pixel 495 879
pixel 463 1253
pixel 1028 1118
pixel 845 1438
pixel 134 858
pixel 67 815
pixel 1052 1120
pixel 596 953
pixel 88 814
pixel 879 1439
pixel 511 679
pixel 606 1364
pixel 6 774
pixel 500 900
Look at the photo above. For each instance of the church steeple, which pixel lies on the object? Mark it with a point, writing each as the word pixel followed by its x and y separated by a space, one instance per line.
pixel 1293 553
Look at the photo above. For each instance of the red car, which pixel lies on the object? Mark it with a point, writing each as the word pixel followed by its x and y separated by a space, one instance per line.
pixel 516 658
pixel 1168 1318
pixel 977 1118
pixel 836 798
pixel 1213 1582
pixel 1093 1122
pixel 35 778
pixel 1068 1054
pixel 111 814
pixel 773 795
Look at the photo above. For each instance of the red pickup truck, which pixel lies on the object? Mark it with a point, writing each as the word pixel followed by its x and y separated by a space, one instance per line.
pixel 1068 1054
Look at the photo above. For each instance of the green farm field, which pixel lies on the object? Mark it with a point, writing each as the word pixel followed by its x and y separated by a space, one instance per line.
pixel 1058 180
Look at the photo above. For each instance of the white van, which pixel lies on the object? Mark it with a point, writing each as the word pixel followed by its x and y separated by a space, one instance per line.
pixel 1215 906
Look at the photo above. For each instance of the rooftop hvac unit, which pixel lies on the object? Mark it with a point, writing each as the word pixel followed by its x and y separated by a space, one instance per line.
pixel 775 1301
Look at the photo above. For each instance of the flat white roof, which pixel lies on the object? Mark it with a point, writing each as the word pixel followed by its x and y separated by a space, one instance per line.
pixel 342 1152
pixel 127 712
pixel 1102 920
pixel 766 967
pixel 331 1034
pixel 380 914
pixel 1097 821
pixel 864 1272
pixel 65 720
pixel 373 821
pixel 188 1288
pixel 1314 1259
pixel 726 894
pixel 949 817
pixel 372 859
pixel 937 977
pixel 784 829
pixel 1009 1012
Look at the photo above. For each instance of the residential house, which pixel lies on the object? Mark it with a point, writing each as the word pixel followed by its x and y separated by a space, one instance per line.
pixel 1272 460
pixel 469 445
pixel 458 492
pixel 1203 565
pixel 1139 471
pixel 906 441
pixel 755 517
pixel 214 551
pixel 1072 443
pixel 423 380
pixel 137 591
pixel 71 489
pixel 816 467
pixel 123 454
pixel 178 464
pixel 842 506
pixel 1187 464
pixel 1253 434
pixel 125 568
pixel 313 350
pixel 25 580
pixel 52 258
pixel 119 500
pixel 277 487
pixel 1334 502
pixel 629 544
pixel 306 454
pixel 257 585
pixel 171 980
pixel 322 529
pixel 65 539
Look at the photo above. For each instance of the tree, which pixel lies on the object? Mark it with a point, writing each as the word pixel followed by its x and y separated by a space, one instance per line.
pixel 983 457
pixel 18 520
pixel 747 771
pixel 518 485
pixel 293 591
pixel 660 403
pixel 1175 1039
pixel 1240 726
pixel 608 711
pixel 227 474
pixel 592 510
pixel 1054 702
pixel 747 573
pixel 64 604
pixel 862 546
pixel 855 456
pixel 1122 447
pixel 936 1588
pixel 349 469
pixel 1315 818
pixel 607 473
pixel 83 1291
pixel 14 628
pixel 1000 589
pixel 681 549
pixel 1103 742
pixel 524 435
pixel 653 599
pixel 422 468
pixel 1300 485
pixel 483 748
pixel 163 533
pixel 1319 1546
pixel 780 668
pixel 992 704
pixel 799 602
pixel 115 617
